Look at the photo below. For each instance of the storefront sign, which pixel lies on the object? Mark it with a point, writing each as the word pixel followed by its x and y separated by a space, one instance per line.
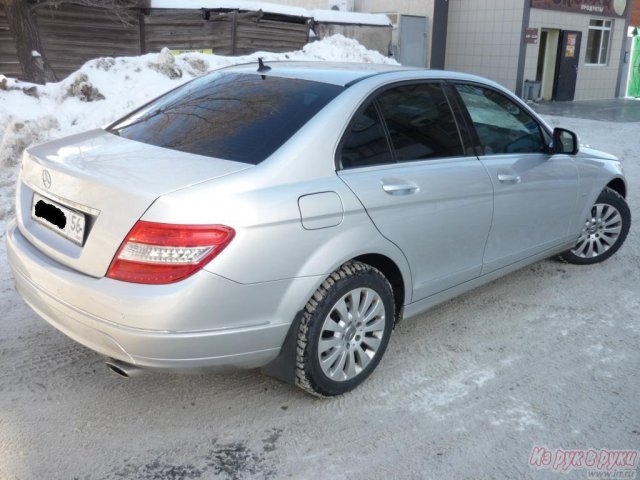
pixel 605 8
pixel 531 35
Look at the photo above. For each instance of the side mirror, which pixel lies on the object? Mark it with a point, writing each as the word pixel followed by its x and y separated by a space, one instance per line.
pixel 565 141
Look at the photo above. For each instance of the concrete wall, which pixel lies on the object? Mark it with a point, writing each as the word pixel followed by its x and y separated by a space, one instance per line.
pixel 422 8
pixel 594 81
pixel 483 38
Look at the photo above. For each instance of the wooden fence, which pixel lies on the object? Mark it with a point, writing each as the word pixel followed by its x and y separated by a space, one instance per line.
pixel 9 64
pixel 225 32
pixel 184 30
pixel 257 31
pixel 72 34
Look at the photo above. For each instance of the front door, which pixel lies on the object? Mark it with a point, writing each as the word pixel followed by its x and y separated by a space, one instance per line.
pixel 536 192
pixel 567 68
pixel 404 160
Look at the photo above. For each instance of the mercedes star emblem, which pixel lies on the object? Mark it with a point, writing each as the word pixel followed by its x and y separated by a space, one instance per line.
pixel 46 179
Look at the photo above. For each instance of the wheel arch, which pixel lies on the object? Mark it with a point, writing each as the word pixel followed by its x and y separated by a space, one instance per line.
pixel 283 366
pixel 618 185
pixel 392 273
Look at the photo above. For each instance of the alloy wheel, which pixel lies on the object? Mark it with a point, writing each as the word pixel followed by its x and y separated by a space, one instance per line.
pixel 600 232
pixel 351 334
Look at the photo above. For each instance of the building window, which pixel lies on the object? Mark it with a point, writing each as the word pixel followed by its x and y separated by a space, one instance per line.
pixel 598 42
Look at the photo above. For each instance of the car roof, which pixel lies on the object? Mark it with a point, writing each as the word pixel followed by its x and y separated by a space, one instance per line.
pixel 345 73
pixel 336 73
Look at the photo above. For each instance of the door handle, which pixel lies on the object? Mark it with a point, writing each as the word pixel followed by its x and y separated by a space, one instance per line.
pixel 505 178
pixel 399 187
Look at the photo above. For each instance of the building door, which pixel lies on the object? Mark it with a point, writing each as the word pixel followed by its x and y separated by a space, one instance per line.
pixel 547 60
pixel 567 69
pixel 412 45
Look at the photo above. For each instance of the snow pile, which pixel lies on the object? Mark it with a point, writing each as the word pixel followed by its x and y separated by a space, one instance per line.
pixel 105 89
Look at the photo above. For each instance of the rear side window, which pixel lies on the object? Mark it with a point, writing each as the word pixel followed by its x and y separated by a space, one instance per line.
pixel 233 116
pixel 502 126
pixel 420 122
pixel 366 144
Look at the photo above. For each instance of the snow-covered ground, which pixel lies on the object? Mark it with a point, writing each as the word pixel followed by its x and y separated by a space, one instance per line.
pixel 546 356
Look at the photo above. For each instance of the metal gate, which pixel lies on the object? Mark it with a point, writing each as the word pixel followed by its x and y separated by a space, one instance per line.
pixel 412 45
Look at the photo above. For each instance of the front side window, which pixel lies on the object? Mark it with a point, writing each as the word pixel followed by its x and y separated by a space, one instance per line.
pixel 598 42
pixel 502 126
pixel 233 116
pixel 420 122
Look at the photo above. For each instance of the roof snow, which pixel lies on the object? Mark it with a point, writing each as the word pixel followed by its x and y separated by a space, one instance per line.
pixel 325 16
pixel 247 5
pixel 354 18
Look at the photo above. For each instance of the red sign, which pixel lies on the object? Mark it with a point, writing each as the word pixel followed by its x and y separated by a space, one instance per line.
pixel 606 8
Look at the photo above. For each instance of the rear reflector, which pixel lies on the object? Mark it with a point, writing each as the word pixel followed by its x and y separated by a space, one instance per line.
pixel 158 253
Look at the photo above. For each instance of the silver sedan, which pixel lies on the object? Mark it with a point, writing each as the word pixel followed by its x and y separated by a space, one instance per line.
pixel 287 216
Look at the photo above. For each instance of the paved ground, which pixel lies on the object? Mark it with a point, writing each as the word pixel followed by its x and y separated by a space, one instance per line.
pixel 618 110
pixel 546 356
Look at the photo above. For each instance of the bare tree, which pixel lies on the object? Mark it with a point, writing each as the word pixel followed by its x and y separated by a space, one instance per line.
pixel 23 29
pixel 22 25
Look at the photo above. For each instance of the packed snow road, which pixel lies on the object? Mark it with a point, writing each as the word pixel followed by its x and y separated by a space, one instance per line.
pixel 546 356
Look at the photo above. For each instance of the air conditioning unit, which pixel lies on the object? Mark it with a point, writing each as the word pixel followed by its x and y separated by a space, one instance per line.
pixel 341 5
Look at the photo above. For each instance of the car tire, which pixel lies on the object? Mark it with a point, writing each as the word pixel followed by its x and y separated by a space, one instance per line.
pixel 604 231
pixel 344 330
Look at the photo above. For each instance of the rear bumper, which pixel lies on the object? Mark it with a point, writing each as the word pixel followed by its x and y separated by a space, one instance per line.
pixel 203 322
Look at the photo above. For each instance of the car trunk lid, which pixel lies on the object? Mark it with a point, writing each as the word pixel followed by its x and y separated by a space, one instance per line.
pixel 112 181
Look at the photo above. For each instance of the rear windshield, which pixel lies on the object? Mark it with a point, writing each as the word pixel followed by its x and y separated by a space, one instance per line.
pixel 233 116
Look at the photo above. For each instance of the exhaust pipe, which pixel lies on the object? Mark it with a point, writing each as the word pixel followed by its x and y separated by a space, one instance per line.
pixel 123 369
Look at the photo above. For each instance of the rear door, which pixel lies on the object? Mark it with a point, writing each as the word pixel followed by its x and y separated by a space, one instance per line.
pixel 535 191
pixel 404 157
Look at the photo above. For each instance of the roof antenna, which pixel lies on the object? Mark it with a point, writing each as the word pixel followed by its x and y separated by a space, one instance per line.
pixel 262 67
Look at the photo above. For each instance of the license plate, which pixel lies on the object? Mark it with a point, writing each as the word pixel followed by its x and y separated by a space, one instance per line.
pixel 62 220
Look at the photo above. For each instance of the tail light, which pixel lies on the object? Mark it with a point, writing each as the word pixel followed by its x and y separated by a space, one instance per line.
pixel 157 253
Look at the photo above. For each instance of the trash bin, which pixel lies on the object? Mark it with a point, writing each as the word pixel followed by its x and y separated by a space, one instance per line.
pixel 532 90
